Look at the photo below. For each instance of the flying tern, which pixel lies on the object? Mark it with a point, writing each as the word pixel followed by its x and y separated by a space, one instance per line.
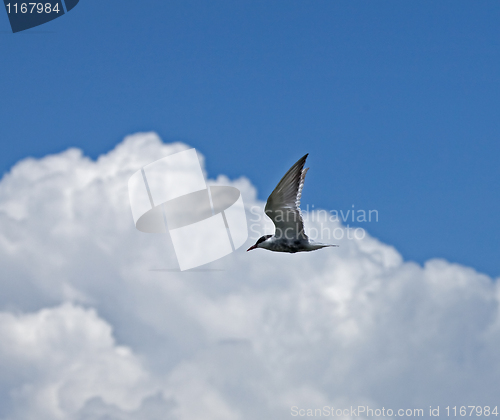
pixel 283 208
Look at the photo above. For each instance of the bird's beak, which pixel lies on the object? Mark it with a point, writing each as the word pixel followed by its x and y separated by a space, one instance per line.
pixel 252 247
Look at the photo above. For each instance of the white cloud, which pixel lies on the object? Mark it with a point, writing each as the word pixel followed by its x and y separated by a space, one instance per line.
pixel 54 360
pixel 88 331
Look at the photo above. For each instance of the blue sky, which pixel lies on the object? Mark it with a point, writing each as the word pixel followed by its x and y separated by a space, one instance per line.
pixel 396 102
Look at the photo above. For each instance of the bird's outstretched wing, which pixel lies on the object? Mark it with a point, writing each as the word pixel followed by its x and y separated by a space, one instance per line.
pixel 283 205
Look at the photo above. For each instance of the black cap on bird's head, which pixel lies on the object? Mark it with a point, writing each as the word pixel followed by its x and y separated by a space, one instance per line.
pixel 259 241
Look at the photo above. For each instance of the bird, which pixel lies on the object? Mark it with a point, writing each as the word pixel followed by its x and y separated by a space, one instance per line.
pixel 283 208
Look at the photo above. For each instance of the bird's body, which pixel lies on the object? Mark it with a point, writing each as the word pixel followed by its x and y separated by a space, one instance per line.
pixel 283 208
pixel 291 245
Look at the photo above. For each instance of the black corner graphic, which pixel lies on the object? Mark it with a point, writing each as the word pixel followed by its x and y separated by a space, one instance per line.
pixel 25 14
pixel 70 4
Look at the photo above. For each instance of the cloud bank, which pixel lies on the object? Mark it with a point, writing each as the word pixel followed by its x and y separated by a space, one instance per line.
pixel 95 323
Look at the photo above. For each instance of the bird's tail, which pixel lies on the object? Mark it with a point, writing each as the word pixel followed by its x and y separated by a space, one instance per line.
pixel 319 245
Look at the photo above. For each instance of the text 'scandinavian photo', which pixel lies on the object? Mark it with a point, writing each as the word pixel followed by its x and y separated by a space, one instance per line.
pixel 147 146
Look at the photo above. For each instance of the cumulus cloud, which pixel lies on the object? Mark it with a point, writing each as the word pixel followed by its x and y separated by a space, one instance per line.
pixel 56 359
pixel 96 323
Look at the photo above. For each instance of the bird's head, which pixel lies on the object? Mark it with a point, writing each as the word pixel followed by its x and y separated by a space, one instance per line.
pixel 259 242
